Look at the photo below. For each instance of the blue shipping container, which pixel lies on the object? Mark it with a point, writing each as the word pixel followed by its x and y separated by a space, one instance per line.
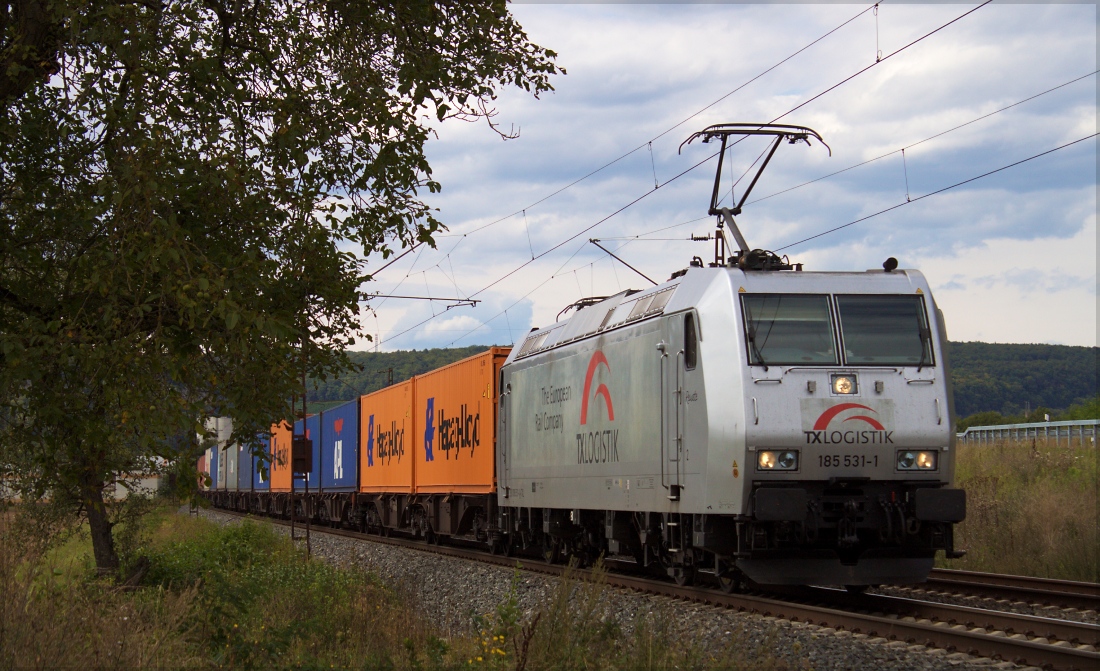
pixel 245 471
pixel 339 443
pixel 212 466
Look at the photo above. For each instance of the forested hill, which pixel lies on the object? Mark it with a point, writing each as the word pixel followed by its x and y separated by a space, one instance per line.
pixel 988 377
pixel 1005 378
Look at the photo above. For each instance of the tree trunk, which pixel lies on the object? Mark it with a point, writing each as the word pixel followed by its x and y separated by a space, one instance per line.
pixel 103 543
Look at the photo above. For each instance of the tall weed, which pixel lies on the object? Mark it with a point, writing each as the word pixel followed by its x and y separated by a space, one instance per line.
pixel 54 615
pixel 1031 509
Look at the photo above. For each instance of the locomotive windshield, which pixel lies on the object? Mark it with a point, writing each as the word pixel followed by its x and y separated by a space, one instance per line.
pixel 788 329
pixel 884 330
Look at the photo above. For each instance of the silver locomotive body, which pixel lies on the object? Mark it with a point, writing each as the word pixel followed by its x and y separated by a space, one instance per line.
pixel 788 427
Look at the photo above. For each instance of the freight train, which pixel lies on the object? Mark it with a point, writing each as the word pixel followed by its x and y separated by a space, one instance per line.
pixel 743 422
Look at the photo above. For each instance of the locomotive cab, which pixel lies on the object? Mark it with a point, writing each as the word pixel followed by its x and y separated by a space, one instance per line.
pixel 849 436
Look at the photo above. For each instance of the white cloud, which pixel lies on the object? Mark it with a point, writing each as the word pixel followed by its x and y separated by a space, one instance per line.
pixel 1029 291
pixel 449 327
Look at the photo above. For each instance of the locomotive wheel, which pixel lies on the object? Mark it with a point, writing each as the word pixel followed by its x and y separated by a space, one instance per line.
pixel 684 577
pixel 856 589
pixel 730 579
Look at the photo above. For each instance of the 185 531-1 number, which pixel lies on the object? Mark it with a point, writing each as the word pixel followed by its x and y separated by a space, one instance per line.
pixel 847 460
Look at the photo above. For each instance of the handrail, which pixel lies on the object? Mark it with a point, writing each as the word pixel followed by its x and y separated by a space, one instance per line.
pixel 1027 427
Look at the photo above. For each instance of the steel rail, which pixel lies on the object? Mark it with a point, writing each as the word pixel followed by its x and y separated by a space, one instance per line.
pixel 1061 593
pixel 1011 624
pixel 953 631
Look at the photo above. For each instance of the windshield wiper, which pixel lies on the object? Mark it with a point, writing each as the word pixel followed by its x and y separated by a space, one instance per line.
pixel 925 345
pixel 755 349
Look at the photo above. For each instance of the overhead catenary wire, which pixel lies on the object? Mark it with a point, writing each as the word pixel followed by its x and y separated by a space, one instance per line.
pixel 694 166
pixel 927 139
pixel 518 300
pixel 813 237
pixel 881 60
pixel 674 126
pixel 649 142
pixel 936 192
pixel 708 158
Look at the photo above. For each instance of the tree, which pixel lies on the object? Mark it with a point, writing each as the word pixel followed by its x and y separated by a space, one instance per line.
pixel 180 182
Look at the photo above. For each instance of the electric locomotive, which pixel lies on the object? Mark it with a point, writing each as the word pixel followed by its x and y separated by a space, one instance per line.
pixel 743 421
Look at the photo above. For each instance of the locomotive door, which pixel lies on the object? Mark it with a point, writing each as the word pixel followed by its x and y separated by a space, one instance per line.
pixel 679 358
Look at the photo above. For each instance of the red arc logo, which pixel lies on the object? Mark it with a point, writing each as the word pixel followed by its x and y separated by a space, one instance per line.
pixel 823 421
pixel 338 425
pixel 594 363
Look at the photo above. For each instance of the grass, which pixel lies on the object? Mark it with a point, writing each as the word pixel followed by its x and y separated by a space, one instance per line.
pixel 1031 509
pixel 243 597
pixel 53 615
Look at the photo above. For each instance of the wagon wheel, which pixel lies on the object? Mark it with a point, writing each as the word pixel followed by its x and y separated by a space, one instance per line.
pixel 551 554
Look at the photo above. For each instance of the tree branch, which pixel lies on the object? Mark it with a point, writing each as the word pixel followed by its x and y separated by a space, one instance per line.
pixel 30 34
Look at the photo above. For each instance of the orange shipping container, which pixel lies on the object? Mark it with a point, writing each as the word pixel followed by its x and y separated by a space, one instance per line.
pixel 387 426
pixel 456 409
pixel 281 435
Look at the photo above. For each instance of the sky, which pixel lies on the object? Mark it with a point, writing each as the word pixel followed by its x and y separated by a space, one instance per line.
pixel 1011 256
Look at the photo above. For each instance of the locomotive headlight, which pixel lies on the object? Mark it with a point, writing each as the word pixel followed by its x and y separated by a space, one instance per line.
pixel 787 460
pixel 771 460
pixel 844 384
pixel 913 460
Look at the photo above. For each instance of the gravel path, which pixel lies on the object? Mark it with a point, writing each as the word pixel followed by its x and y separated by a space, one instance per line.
pixel 450 591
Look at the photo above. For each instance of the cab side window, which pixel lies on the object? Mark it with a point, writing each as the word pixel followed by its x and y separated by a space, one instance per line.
pixel 691 343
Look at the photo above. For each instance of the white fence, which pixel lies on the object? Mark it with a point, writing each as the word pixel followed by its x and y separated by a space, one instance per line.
pixel 1083 429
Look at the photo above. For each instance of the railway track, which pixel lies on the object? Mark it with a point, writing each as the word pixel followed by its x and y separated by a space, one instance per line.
pixel 1043 591
pixel 1023 639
